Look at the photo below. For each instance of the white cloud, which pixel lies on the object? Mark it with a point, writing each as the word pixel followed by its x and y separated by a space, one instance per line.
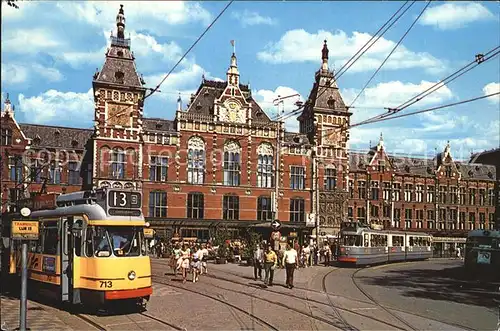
pixel 19 74
pixel 53 105
pixel 391 94
pixel 13 74
pixel 29 41
pixel 249 18
pixel 265 100
pixel 450 16
pixel 300 46
pixel 141 15
pixel 492 88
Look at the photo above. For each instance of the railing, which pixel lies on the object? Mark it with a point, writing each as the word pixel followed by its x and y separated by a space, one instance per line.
pixel 115 41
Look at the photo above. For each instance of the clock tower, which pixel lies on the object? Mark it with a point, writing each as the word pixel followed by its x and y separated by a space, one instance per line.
pixel 118 97
pixel 325 120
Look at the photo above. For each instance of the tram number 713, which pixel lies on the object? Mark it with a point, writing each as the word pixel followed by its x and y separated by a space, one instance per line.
pixel 120 199
pixel 106 283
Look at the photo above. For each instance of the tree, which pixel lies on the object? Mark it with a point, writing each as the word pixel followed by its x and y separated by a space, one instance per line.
pixel 12 3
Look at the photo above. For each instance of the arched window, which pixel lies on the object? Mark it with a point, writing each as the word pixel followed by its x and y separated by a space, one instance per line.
pixel 297 210
pixel 195 205
pixel 232 164
pixel 330 179
pixel 265 173
pixel 264 211
pixel 196 160
pixel 118 163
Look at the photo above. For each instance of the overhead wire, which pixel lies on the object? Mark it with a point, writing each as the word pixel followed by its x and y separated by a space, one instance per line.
pixel 189 50
pixel 390 53
pixel 428 109
pixel 443 82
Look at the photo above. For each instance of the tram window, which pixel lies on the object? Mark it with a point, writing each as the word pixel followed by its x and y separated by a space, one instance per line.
pixel 101 242
pixel 89 247
pixel 397 241
pixel 351 240
pixel 412 242
pixel 378 240
pixel 50 240
pixel 367 243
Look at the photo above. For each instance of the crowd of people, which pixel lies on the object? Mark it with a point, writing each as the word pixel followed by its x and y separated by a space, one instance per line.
pixel 191 258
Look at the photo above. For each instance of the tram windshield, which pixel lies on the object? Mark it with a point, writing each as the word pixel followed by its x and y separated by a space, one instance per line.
pixel 351 240
pixel 104 241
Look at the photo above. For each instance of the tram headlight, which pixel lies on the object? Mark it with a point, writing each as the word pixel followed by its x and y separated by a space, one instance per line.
pixel 131 275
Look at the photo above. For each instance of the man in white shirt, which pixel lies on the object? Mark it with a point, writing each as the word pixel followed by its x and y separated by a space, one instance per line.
pixel 290 262
pixel 258 262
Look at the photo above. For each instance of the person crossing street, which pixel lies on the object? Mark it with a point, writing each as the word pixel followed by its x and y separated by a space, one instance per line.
pixel 271 261
pixel 290 262
pixel 258 257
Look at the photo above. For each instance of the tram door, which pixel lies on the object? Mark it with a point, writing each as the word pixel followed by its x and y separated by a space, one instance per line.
pixel 66 263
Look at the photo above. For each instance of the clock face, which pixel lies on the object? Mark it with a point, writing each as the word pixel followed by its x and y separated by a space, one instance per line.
pixel 119 114
pixel 332 136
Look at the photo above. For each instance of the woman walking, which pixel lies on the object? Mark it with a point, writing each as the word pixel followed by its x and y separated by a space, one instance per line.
pixel 185 262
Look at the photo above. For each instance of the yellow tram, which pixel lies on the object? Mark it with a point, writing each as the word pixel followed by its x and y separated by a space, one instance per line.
pixel 91 248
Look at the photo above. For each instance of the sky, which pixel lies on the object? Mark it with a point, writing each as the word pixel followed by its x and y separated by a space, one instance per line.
pixel 50 51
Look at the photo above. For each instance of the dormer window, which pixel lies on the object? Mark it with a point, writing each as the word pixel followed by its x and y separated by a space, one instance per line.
pixel 198 106
pixel 6 137
pixel 120 53
pixel 37 140
pixel 331 102
pixel 471 173
pixel 74 143
pixel 119 77
pixel 57 133
pixel 407 168
pixel 490 174
pixel 158 126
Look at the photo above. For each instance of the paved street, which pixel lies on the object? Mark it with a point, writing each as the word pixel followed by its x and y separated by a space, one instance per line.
pixel 430 295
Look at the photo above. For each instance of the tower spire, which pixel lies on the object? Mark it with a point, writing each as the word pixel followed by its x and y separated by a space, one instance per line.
pixel 120 23
pixel 233 75
pixel 324 56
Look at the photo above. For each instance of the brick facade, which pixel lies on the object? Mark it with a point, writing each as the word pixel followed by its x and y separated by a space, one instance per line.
pixel 215 162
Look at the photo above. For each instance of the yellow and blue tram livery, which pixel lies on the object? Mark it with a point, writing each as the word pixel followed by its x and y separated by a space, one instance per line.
pixel 363 245
pixel 91 248
pixel 482 252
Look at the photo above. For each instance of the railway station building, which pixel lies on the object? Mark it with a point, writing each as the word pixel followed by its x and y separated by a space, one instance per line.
pixel 222 161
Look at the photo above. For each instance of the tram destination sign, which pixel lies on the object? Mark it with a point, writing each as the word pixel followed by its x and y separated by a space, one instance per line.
pixel 124 199
pixel 24 230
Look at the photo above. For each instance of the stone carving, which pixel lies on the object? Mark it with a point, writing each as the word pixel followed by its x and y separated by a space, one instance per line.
pixel 232 147
pixel 117 185
pixel 129 185
pixel 332 207
pixel 196 143
pixel 265 149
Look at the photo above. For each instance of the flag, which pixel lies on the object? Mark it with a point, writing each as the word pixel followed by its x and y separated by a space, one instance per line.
pixel 232 43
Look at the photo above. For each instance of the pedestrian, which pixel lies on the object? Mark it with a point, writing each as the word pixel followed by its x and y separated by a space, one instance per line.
pixel 258 257
pixel 195 267
pixel 185 262
pixel 328 253
pixel 290 261
pixel 204 258
pixel 307 254
pixel 459 255
pixel 271 261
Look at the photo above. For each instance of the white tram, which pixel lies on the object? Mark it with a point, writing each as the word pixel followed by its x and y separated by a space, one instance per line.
pixel 362 245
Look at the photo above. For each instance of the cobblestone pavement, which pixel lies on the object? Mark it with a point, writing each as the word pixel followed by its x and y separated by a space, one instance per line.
pixel 410 296
pixel 39 317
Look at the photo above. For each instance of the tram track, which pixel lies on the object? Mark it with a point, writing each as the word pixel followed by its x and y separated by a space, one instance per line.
pixel 104 327
pixel 289 295
pixel 217 299
pixel 335 309
pixel 377 303
pixel 342 309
